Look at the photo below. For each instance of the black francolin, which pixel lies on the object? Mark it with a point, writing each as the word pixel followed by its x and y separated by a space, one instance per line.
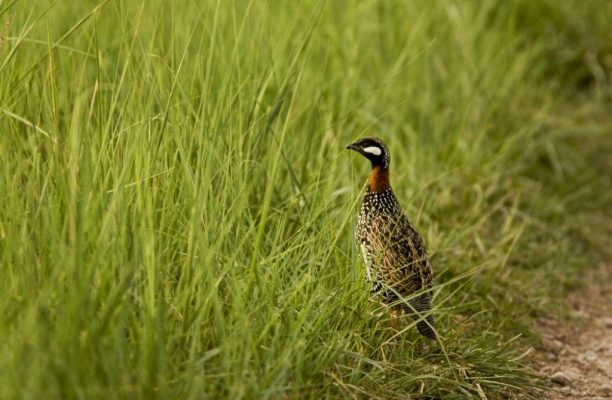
pixel 394 253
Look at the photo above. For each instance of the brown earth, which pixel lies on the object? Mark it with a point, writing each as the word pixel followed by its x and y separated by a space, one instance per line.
pixel 574 358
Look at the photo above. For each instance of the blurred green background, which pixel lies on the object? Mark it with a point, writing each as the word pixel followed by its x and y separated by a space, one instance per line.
pixel 177 210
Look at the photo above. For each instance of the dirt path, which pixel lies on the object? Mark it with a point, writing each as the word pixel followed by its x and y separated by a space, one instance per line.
pixel 575 355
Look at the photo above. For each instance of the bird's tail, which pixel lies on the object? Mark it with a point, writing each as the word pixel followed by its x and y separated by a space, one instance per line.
pixel 425 326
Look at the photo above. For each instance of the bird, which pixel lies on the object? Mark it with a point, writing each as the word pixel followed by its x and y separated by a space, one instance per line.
pixel 395 256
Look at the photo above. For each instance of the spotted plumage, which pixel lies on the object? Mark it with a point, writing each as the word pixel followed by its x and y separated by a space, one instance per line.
pixel 394 253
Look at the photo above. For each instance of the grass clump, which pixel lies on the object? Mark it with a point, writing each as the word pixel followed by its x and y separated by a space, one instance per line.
pixel 177 211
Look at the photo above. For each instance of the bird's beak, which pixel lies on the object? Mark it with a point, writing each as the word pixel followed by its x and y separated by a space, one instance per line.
pixel 352 146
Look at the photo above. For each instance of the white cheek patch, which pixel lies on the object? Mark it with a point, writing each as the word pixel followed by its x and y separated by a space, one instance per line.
pixel 373 150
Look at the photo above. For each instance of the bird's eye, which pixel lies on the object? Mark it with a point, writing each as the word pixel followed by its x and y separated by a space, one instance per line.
pixel 374 150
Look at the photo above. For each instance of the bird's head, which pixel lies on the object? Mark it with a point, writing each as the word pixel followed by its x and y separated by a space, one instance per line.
pixel 374 150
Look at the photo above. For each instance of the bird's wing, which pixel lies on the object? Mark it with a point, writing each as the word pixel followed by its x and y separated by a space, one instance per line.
pixel 402 257
pixel 403 266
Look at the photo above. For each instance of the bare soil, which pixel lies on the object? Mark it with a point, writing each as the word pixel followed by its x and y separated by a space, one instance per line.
pixel 575 353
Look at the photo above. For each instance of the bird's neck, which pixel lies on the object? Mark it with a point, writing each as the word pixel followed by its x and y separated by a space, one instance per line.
pixel 379 179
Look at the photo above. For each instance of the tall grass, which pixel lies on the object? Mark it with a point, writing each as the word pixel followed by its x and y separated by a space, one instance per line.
pixel 177 210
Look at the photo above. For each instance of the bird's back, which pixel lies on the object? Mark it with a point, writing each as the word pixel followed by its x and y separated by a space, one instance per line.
pixel 395 256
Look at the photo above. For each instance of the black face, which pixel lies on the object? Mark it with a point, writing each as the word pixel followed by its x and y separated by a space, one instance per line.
pixel 373 149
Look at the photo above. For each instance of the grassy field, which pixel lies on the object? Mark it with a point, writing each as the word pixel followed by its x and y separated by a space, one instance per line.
pixel 177 207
